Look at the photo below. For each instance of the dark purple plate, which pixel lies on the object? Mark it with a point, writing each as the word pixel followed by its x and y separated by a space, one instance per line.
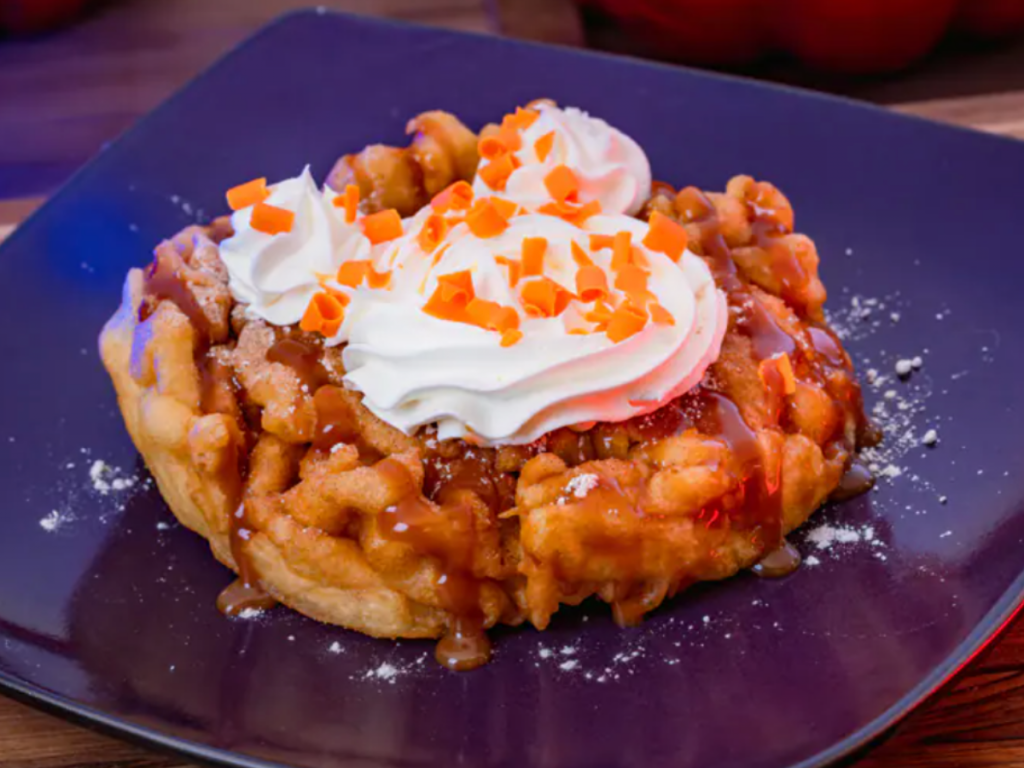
pixel 107 607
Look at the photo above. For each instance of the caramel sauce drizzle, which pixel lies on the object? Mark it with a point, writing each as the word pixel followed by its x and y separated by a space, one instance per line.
pixel 448 533
pixel 165 281
pixel 303 358
pixel 446 530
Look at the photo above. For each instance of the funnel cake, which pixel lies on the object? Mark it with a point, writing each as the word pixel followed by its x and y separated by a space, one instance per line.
pixel 323 495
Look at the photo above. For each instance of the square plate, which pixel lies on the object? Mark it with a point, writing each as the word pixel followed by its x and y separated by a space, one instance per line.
pixel 107 607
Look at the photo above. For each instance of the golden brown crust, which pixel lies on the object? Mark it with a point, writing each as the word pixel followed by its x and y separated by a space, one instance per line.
pixel 631 512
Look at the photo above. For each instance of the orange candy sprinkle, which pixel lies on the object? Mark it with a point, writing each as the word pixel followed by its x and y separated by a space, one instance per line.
pixel 580 256
pixel 562 184
pixel 506 208
pixel 626 321
pixel 354 273
pixel 622 250
pixel 491 316
pixel 597 242
pixel 454 197
pixel 660 315
pixel 515 269
pixel 533 252
pixel 453 293
pixel 325 313
pixel 247 194
pixel 543 297
pixel 486 220
pixel 591 284
pixel 631 280
pixel 349 200
pixel 491 147
pixel 522 119
pixel 383 226
pixel 574 214
pixel 271 219
pixel 433 232
pixel 495 174
pixel 543 145
pixel 665 236
pixel 599 315
pixel 510 337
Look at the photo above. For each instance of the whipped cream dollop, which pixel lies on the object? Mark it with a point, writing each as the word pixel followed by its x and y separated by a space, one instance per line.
pixel 611 167
pixel 415 369
pixel 277 275
pixel 542 348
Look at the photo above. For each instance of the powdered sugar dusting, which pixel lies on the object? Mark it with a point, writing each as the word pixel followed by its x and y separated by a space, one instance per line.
pixel 56 520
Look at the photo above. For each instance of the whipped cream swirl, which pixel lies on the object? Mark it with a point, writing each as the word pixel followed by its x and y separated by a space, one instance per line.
pixel 415 369
pixel 610 166
pixel 561 367
pixel 277 275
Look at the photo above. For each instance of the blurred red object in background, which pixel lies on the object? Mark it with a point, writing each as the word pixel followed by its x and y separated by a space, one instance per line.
pixel 844 36
pixel 991 18
pixel 23 17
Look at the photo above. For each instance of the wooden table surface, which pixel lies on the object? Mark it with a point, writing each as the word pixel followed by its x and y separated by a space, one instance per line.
pixel 63 96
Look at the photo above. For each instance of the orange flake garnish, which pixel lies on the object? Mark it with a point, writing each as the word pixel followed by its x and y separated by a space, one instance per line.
pixel 247 194
pixel 522 119
pixel 378 279
pixel 486 220
pixel 455 197
pixel 357 271
pixel 599 315
pixel 533 252
pixel 349 200
pixel 515 269
pixel 271 219
pixel 626 321
pixel 660 315
pixel 591 283
pixel 495 174
pixel 574 214
pixel 636 256
pixel 622 250
pixel 543 297
pixel 631 280
pixel 491 147
pixel 506 208
pixel 562 184
pixel 433 232
pixel 580 256
pixel 453 293
pixel 665 236
pixel 778 367
pixel 491 316
pixel 597 242
pixel 509 136
pixel 543 145
pixel 324 314
pixel 383 226
pixel 353 273
pixel 578 332
pixel 510 337
pixel 457 286
pixel 437 255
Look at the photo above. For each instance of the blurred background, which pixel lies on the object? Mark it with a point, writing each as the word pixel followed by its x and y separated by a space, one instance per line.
pixel 75 73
